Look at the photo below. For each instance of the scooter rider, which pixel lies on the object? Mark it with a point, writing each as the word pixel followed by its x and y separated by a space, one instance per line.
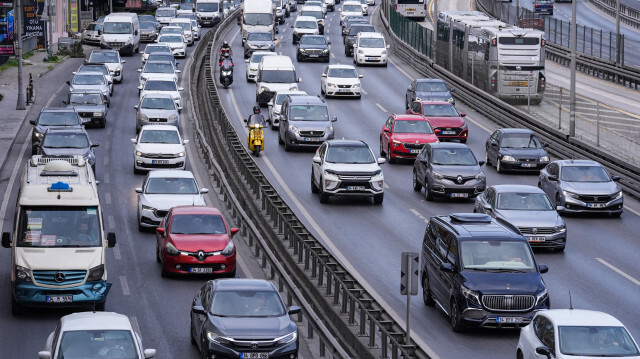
pixel 226 69
pixel 256 118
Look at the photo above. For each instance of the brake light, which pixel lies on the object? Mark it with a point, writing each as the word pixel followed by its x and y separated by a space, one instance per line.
pixel 552 6
pixel 543 42
pixel 541 83
pixel 395 7
pixel 494 42
pixel 494 79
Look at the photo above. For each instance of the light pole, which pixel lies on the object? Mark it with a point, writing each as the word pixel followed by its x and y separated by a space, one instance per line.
pixel 618 42
pixel 18 12
pixel 572 84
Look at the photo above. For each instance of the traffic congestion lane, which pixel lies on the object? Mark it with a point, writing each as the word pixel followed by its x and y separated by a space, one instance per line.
pixel 358 231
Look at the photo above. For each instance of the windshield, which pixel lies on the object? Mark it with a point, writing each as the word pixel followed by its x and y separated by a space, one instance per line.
pixel 355 30
pixel 524 201
pixel 85 99
pixel 453 157
pixel 160 68
pixel 412 126
pixel 93 343
pixel 316 14
pixel 313 40
pixel 439 110
pixel 58 119
pixel 160 86
pixel 520 140
pixel 308 113
pixel 197 224
pixel 259 36
pixel 166 13
pixel 431 86
pixel 94 68
pixel 351 8
pixel 66 140
pixel 306 25
pixel 257 19
pixel 247 304
pixel 161 56
pixel 584 174
pixel 171 38
pixel 147 26
pixel 255 58
pixel 53 226
pixel 154 49
pixel 158 103
pixel 497 255
pixel 104 57
pixel 372 42
pixel 186 6
pixel 343 73
pixel 117 28
pixel 587 341
pixel 159 136
pixel 171 186
pixel 80 79
pixel 349 154
pixel 207 7
pixel 277 76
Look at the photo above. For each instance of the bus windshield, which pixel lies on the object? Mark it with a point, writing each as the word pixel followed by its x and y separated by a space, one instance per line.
pixel 59 226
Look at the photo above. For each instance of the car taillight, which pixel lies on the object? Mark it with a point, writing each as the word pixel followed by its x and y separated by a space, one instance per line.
pixel 494 79
pixel 395 7
pixel 541 83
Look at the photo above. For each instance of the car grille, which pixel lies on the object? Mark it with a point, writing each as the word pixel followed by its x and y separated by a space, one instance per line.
pixel 160 155
pixel 314 52
pixel 55 277
pixel 206 18
pixel 254 344
pixel 116 45
pixel 508 302
pixel 344 86
pixel 413 146
pixel 157 120
pixel 312 133
pixel 595 198
pixel 527 160
pixel 456 129
pixel 85 114
pixel 160 213
pixel 348 183
pixel 355 178
pixel 459 179
pixel 537 230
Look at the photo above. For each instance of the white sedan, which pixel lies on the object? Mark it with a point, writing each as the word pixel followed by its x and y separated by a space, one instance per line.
pixel 158 70
pixel 176 43
pixel 341 80
pixel 159 146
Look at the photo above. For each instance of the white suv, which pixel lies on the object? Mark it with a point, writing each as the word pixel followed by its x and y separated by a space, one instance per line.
pixel 370 48
pixel 304 25
pixel 347 168
pixel 159 146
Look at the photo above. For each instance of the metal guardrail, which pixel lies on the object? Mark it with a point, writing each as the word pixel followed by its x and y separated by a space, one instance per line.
pixel 628 15
pixel 29 43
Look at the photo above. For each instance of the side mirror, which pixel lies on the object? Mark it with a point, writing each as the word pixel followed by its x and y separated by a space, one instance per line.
pixel 149 353
pixel 487 208
pixel 6 240
pixel 204 190
pixel 360 76
pixel 233 231
pixel 99 32
pixel 552 178
pixel 133 140
pixel 388 46
pixel 123 61
pixel 179 108
pixel 354 46
pixel 180 88
pixel 545 145
pixel 544 351
pixel 247 60
pixel 334 119
pixel 382 160
pixel 324 75
pixel 111 239
pixel 135 32
pixel 615 178
pixel 140 87
pixel 65 102
pixel 97 144
pixel 543 268
pixel 138 189
pixel 135 107
pixel 160 231
pixel 184 142
pixel 139 70
pixel 560 209
pixel 294 309
pixel 32 122
pixel 178 71
pixel 198 309
pixel 480 163
pixel 452 90
pixel 292 26
pixel 386 130
pixel 463 115
pixel 44 355
pixel 299 79
pixel 328 42
pixel 69 83
pixel 446 267
pixel 316 160
pixel 74 72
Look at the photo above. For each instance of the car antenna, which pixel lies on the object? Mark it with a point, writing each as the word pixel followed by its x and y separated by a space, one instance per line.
pixel 570 302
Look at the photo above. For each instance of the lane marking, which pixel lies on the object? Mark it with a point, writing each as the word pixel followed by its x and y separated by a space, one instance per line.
pixel 637 213
pixel 116 253
pixel 619 271
pixel 363 91
pixel 135 325
pixel 124 285
pixel 107 198
pixel 333 55
pixel 105 177
pixel 382 108
pixel 417 214
pixel 106 161
pixel 14 174
pixel 110 222
pixel 400 69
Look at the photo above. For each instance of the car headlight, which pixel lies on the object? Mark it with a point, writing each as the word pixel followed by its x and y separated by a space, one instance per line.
pixel 544 159
pixel 325 51
pixel 263 89
pixel 471 295
pixel 377 181
pixel 216 338
pixel 171 250
pixel 97 114
pixel 384 52
pixel 568 194
pixel 542 297
pixel 229 249
pixel 23 274
pixel 396 142
pixel 148 208
pixel 180 154
pixel 332 85
pixel 329 129
pixel 288 338
pixel 140 154
pixel 173 118
pixel 143 117
pixel 617 195
pixel 437 175
pixel 38 134
pixel 96 273
pixel 293 129
pixel 293 88
pixel 330 176
pixel 302 50
pixel 463 127
pixel 118 69
pixel 360 51
pixel 105 92
pixel 356 86
pixel 480 176
pixel 561 228
pixel 508 159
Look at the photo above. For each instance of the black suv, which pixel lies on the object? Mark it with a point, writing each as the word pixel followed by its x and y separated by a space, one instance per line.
pixel 304 122
pixel 53 118
pixel 481 272
pixel 313 47
pixel 350 37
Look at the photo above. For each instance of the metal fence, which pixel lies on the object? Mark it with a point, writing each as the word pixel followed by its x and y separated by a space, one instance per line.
pixel 628 15
pixel 411 32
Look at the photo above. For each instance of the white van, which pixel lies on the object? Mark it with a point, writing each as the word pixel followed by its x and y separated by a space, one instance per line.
pixel 257 16
pixel 165 14
pixel 121 31
pixel 275 73
pixel 59 244
pixel 209 12
pixel 370 48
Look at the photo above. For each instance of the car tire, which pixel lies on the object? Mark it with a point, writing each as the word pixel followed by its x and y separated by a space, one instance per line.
pixel 280 141
pixel 34 150
pixel 158 260
pixel 558 201
pixel 454 316
pixel 378 198
pixel 314 187
pixel 416 184
pixel 486 158
pixel 164 273
pixel 389 156
pixel 322 91
pixel 616 214
pixel 519 355
pixel 136 171
pixel 287 146
pixel 427 296
pixel 103 123
pixel 324 196
pixel 382 153
pixel 499 166
pixel 427 193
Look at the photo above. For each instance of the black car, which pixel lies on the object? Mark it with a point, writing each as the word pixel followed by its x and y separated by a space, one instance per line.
pixel 313 47
pixel 350 20
pixel 91 105
pixel 350 38
pixel 60 142
pixel 481 272
pixel 236 318
pixel 428 90
pixel 515 149
pixel 150 18
pixel 52 118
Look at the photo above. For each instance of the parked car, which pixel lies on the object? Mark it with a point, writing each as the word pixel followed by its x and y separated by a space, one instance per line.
pixel 91 34
pixel 258 41
pixel 68 142
pixel 582 186
pixel 91 105
pixel 428 90
pixel 112 59
pixel 404 136
pixel 159 146
pixel 341 80
pixel 53 117
pixel 156 109
pixel 515 149
pixel 447 122
pixel 228 313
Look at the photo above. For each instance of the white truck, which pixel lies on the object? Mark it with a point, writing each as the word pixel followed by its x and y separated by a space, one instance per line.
pixel 121 31
pixel 258 16
pixel 209 12
pixel 59 244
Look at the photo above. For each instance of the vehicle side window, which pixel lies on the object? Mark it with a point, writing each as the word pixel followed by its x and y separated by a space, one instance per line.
pixel 205 297
pixel 55 339
pixel 389 124
pixel 543 329
pixel 552 168
pixel 490 196
pixel 494 136
pixel 441 243
pixel 413 85
pixel 322 151
pixel 452 253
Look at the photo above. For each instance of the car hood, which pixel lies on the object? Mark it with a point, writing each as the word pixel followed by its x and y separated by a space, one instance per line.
pixel 166 201
pixel 259 43
pixel 65 151
pixel 503 283
pixel 343 81
pixel 112 65
pixel 603 188
pixel 88 108
pixel 174 45
pixel 147 31
pixel 50 258
pixel 311 125
pixel 433 96
pixel 153 113
pixel 276 86
pixel 530 153
pixel 375 51
pixel 445 121
pixel 196 242
pixel 313 47
pixel 415 137
pixel 346 168
pixel 451 170
pixel 530 218
pixel 252 328
pixel 104 88
pixel 159 148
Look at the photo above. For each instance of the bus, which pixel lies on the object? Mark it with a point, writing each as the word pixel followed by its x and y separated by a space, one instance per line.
pixel 411 8
pixel 503 60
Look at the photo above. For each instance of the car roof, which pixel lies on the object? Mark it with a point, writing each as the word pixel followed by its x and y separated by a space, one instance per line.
pixel 160 128
pixel 195 210
pixel 242 284
pixel 312 8
pixel 312 35
pixel 157 45
pixel 370 34
pixel 448 145
pixel 340 66
pixel 479 226
pixel 158 62
pixel 517 188
pixel 171 173
pixel 104 51
pixel 346 143
pixel 405 117
pixel 351 2
pixel 95 321
pixel 581 317
pixel 93 91
pixel 306 100
pixel 516 130
pixel 89 73
pixel 577 162
pixel 291 92
pixel 264 53
pixel 67 130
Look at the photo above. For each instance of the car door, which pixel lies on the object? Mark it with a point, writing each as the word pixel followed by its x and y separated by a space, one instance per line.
pixel 421 164
pixel 450 279
pixel 198 320
pixel 548 186
pixel 316 170
pixel 323 79
pixel 486 199
pixel 386 134
pixel 284 119
pixel 440 281
pixel 492 145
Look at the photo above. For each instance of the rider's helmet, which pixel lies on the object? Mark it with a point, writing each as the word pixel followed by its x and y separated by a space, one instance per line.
pixel 256 109
pixel 225 43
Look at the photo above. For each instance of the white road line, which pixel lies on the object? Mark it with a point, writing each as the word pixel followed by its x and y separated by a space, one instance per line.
pixel 363 91
pixel 478 124
pixel 107 198
pixel 135 325
pixel 380 107
pixel 14 174
pixel 116 253
pixel 400 69
pixel 106 161
pixel 333 55
pixel 124 285
pixel 110 223
pixel 426 220
pixel 385 185
pixel 619 271
pixel 105 178
pixel 637 213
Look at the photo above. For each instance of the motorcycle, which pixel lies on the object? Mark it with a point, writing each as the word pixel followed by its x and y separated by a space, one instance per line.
pixel 256 139
pixel 226 73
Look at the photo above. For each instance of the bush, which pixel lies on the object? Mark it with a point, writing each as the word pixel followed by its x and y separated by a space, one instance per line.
pixel 75 50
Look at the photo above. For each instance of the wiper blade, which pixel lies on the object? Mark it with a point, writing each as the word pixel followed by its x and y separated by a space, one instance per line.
pixel 507 270
pixel 477 269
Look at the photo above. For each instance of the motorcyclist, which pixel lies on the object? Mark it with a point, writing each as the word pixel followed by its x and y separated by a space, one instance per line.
pixel 226 69
pixel 226 60
pixel 225 49
pixel 256 118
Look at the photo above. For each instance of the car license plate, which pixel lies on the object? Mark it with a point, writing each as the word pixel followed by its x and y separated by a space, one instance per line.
pixel 596 205
pixel 59 299
pixel 518 83
pixel 355 188
pixel 159 162
pixel 414 151
pixel 448 132
pixel 201 270
pixel 411 9
pixel 459 195
pixel 254 355
pixel 313 139
pixel 529 165
pixel 313 55
pixel 509 320
pixel 536 238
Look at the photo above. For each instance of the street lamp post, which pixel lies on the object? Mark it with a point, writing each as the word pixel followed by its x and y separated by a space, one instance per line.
pixel 572 85
pixel 20 105
pixel 618 42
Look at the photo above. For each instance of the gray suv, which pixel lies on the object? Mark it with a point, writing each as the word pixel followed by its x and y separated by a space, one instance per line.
pixel 448 170
pixel 91 106
pixel 52 118
pixel 304 122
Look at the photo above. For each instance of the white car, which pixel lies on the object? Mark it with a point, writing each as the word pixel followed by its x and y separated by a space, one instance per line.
pixel 195 28
pixel 159 146
pixel 254 61
pixel 176 43
pixel 370 48
pixel 575 333
pixel 95 334
pixel 331 5
pixel 163 189
pixel 317 3
pixel 162 86
pixel 304 25
pixel 333 167
pixel 171 29
pixel 275 106
pixel 340 80
pixel 112 59
pixel 185 24
pixel 365 7
pixel 154 48
pixel 158 70
pixel 351 8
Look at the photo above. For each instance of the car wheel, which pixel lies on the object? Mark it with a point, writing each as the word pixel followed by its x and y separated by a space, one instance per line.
pixel 381 148
pixel 314 188
pixel 427 192
pixel 164 273
pixel 378 198
pixel 204 349
pixel 158 253
pixel 464 140
pixel 558 200
pixel 287 146
pixel 519 355
pixel 324 196
pixel 103 123
pixel 486 158
pixel 280 141
pixel 390 158
pixel 34 150
pixel 539 185
pixel 427 296
pixel 616 214
pixel 454 316
pixel 322 91
pixel 416 184
pixel 499 166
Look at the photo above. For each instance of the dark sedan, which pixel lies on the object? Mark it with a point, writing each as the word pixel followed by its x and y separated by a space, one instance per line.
pixel 428 90
pixel 353 19
pixel 515 149
pixel 91 105
pixel 350 38
pixel 68 142
pixel 243 318
pixel 52 118
pixel 313 47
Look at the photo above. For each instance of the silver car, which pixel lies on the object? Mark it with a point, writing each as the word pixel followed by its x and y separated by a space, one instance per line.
pixel 112 59
pixel 176 43
pixel 162 87
pixel 92 33
pixel 90 81
pixel 158 70
pixel 148 31
pixel 582 186
pixel 258 41
pixel 90 67
pixel 529 209
pixel 153 48
pixel 159 109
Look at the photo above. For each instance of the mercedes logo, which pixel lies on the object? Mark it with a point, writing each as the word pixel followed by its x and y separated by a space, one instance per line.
pixel 518 68
pixel 254 345
pixel 459 179
pixel 534 230
pixel 200 255
pixel 508 286
pixel 59 277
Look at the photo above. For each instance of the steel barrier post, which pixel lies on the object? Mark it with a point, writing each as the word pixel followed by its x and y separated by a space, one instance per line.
pixel 598 123
pixel 560 111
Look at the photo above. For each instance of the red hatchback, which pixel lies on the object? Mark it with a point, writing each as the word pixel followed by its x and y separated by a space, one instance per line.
pixel 195 240
pixel 403 136
pixel 446 121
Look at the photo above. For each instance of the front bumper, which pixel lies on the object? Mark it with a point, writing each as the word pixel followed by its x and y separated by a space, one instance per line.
pixel 345 90
pixel 555 240
pixel 286 351
pixel 451 133
pixel 373 60
pixel 156 121
pixel 29 294
pixel 299 140
pixel 146 163
pixel 148 37
pixel 446 188
pixel 313 56
pixel 476 316
pixel 186 264
pixel 523 165
pixel 405 150
pixel 208 21
pixel 93 40
pixel 573 205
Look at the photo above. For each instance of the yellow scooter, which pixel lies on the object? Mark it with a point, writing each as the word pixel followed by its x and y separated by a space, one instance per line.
pixel 256 139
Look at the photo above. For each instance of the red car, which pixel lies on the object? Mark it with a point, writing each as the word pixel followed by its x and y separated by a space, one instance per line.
pixel 403 136
pixel 446 121
pixel 195 240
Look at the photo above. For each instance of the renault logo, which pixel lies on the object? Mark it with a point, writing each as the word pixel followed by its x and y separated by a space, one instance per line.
pixel 200 255
pixel 534 230
pixel 254 345
pixel 459 179
pixel 59 277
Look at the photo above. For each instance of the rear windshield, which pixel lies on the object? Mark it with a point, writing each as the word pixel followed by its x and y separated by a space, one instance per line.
pixel 518 40
pixel 307 25
pixel 278 76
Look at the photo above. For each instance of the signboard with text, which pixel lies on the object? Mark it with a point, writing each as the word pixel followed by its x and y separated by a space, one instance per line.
pixel 6 28
pixel 73 15
pixel 33 25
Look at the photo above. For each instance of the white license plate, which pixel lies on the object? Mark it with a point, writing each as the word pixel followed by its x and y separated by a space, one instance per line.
pixel 313 55
pixel 313 139
pixel 448 132
pixel 372 59
pixel 596 205
pixel 60 299
pixel 201 270
pixel 254 355
pixel 459 195
pixel 536 238
pixel 528 165
pixel 355 188
pixel 343 90
pixel 159 162
pixel 509 320
pixel 415 151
